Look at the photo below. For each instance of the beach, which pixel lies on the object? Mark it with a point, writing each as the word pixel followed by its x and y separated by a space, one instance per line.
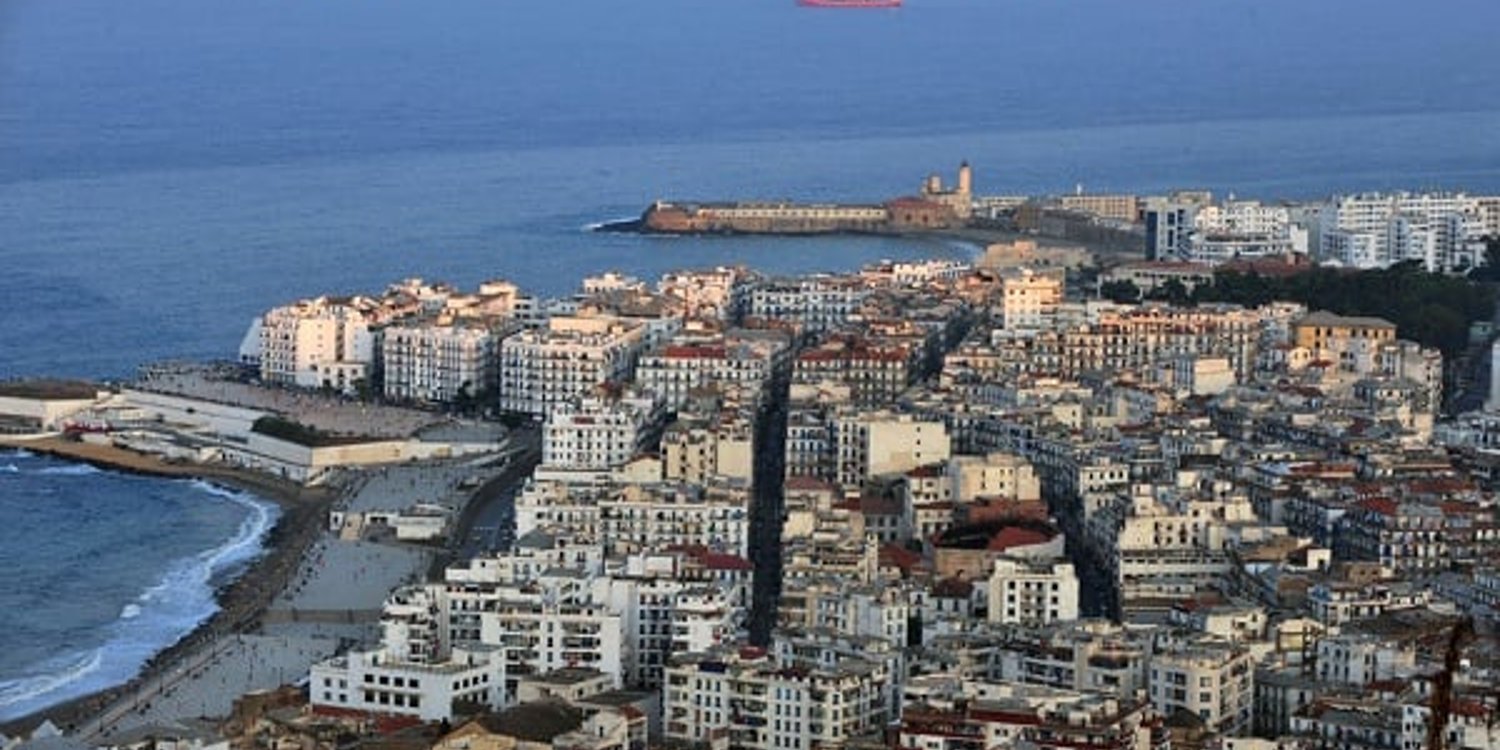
pixel 241 603
pixel 313 592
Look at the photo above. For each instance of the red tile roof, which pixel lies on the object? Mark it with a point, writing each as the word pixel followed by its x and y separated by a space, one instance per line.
pixel 900 557
pixel 1011 537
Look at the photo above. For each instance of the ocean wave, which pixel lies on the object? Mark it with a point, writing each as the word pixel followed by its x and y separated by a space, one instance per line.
pixel 181 600
pixel 18 453
pixel 10 469
pixel 246 543
pixel 20 691
pixel 72 470
pixel 597 225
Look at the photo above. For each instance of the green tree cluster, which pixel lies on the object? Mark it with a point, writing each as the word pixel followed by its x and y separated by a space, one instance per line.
pixel 296 432
pixel 1431 309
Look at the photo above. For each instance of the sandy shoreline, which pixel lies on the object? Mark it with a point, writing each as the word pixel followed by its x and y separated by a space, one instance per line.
pixel 241 604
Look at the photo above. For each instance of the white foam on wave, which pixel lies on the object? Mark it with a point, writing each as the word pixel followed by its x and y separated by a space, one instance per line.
pixel 596 226
pixel 18 453
pixel 168 610
pixel 73 470
pixel 19 692
pixel 10 469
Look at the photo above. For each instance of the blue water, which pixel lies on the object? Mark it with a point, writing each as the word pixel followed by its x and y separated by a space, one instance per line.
pixel 168 168
pixel 129 565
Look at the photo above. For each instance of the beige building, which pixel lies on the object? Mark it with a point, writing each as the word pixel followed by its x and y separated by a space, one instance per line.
pixel 1208 678
pixel 715 294
pixel 697 450
pixel 1338 335
pixel 994 475
pixel 1124 208
pixel 319 343
pixel 872 444
pixel 1029 298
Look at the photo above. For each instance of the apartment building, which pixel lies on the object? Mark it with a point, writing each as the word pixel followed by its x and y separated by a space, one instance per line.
pixel 1032 592
pixel 1116 207
pixel 327 342
pixel 714 294
pixel 438 361
pixel 871 444
pixel 747 697
pixel 1028 299
pixel 643 518
pixel 1158 546
pixel 942 712
pixel 1208 678
pixel 700 447
pixel 542 370
pixel 1375 230
pixel 743 360
pixel 812 304
pixel 875 373
pixel 600 431
pixel 379 682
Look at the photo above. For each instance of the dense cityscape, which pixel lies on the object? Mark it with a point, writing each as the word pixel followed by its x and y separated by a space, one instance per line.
pixel 1085 491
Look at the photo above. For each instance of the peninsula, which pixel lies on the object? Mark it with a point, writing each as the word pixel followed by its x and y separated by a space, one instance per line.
pixel 934 208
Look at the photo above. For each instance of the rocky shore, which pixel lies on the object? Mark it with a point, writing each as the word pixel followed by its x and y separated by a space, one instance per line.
pixel 241 603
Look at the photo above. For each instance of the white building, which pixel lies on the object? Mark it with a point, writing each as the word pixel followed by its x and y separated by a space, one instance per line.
pixel 1375 230
pixel 640 518
pixel 380 682
pixel 1158 544
pixel 1169 223
pixel 544 369
pixel 812 303
pixel 600 431
pixel 743 359
pixel 319 343
pixel 1032 592
pixel 437 362
pixel 747 697
pixel 644 518
pixel 1243 229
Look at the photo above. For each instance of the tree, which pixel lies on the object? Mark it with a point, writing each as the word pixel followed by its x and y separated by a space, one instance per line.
pixel 1120 291
pixel 1173 291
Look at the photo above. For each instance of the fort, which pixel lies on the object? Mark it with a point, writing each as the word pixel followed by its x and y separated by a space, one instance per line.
pixel 934 208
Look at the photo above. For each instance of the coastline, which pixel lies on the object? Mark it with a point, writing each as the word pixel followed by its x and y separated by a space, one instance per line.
pixel 241 604
pixel 979 235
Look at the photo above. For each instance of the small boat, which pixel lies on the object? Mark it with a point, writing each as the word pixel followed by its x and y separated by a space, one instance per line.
pixel 849 3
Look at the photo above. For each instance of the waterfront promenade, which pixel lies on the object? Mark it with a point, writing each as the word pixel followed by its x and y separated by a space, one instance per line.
pixel 312 594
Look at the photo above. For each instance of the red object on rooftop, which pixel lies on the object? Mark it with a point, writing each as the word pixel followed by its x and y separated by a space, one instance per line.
pixel 1014 536
pixel 850 3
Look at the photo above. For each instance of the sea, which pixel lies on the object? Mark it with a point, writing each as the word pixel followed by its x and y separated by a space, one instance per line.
pixel 169 168
pixel 104 569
